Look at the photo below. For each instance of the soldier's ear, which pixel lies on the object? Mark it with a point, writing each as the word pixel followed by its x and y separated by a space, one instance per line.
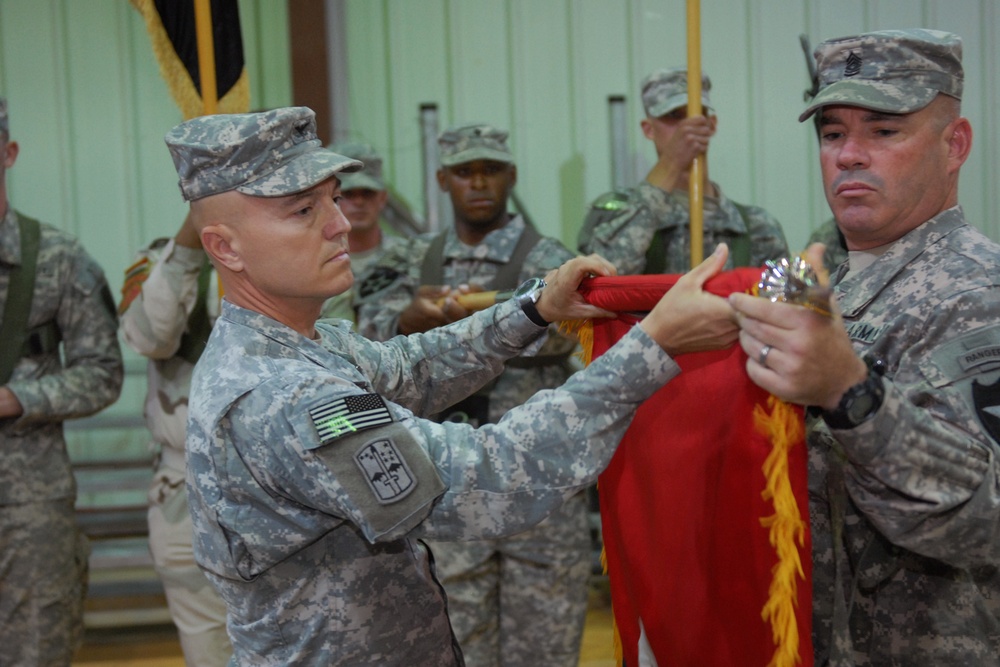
pixel 442 182
pixel 222 246
pixel 10 154
pixel 647 128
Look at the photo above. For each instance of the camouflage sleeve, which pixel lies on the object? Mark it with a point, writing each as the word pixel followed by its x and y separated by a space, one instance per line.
pixel 767 238
pixel 926 468
pixel 388 288
pixel 91 375
pixel 160 291
pixel 506 476
pixel 487 482
pixel 429 371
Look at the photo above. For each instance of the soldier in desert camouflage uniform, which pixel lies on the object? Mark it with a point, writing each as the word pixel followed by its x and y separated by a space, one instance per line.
pixel 522 599
pixel 169 303
pixel 43 560
pixel 364 198
pixel 645 229
pixel 904 465
pixel 310 480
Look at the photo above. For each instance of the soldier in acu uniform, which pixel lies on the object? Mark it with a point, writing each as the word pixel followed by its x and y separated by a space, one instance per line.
pixel 522 599
pixel 646 229
pixel 904 379
pixel 59 360
pixel 310 479
pixel 364 198
pixel 170 300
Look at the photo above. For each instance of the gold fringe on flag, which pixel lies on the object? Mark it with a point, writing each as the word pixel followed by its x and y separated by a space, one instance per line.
pixel 583 330
pixel 787 529
pixel 178 79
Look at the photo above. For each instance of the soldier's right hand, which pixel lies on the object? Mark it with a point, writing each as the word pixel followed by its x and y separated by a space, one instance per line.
pixel 689 319
pixel 432 306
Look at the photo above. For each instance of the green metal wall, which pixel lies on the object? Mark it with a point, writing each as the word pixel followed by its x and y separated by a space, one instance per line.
pixel 545 68
pixel 89 109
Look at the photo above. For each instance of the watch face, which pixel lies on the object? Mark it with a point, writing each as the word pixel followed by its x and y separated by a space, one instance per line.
pixel 529 286
pixel 861 407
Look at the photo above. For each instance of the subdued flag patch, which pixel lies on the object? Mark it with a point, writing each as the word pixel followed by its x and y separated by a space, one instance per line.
pixel 349 414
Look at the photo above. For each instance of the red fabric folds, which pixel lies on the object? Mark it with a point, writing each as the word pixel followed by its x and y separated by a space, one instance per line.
pixel 681 502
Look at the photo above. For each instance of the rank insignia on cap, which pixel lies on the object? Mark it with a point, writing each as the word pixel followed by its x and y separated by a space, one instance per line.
pixel 349 415
pixel 386 471
pixel 853 67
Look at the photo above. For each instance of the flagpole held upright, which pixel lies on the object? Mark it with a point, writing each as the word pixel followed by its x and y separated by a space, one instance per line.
pixel 697 178
pixel 206 56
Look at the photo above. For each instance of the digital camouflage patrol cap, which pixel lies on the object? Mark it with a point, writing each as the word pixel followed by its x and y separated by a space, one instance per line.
pixel 897 71
pixel 475 141
pixel 368 177
pixel 665 90
pixel 268 154
pixel 4 123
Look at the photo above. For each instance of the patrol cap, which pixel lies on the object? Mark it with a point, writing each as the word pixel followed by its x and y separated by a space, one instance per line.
pixel 369 177
pixel 268 154
pixel 475 141
pixel 897 71
pixel 665 90
pixel 4 123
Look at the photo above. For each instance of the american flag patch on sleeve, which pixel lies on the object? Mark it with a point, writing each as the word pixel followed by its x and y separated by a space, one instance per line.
pixel 348 415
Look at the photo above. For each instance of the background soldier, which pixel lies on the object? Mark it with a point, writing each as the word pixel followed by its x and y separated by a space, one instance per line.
pixel 170 301
pixel 51 292
pixel 518 600
pixel 364 198
pixel 646 229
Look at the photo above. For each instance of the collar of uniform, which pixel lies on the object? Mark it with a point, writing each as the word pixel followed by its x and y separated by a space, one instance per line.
pixel 720 214
pixel 859 289
pixel 10 238
pixel 499 244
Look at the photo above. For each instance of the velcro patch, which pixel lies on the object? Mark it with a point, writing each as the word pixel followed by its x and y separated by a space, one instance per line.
pixel 349 414
pixel 385 470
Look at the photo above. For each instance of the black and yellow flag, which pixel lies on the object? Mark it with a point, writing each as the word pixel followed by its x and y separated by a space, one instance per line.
pixel 173 27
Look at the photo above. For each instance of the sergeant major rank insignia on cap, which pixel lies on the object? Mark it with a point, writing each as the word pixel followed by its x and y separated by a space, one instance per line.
pixel 853 67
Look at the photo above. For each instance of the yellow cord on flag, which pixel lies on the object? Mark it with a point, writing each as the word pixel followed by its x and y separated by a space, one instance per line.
pixel 783 427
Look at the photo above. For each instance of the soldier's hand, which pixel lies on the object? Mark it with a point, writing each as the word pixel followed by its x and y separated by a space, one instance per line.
pixel 432 306
pixel 810 359
pixel 561 299
pixel 689 140
pixel 688 319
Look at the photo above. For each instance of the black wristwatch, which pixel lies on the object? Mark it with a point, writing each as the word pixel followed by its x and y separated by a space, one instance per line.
pixel 527 296
pixel 858 403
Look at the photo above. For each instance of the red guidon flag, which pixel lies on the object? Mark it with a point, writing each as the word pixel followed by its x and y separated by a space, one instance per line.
pixel 704 507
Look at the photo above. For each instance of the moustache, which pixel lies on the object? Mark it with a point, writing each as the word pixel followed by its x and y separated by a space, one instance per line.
pixel 864 177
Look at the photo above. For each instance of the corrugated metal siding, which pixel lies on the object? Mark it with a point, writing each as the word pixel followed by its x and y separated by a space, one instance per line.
pixel 545 68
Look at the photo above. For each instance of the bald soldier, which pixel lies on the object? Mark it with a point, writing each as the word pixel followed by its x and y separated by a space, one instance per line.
pixel 310 480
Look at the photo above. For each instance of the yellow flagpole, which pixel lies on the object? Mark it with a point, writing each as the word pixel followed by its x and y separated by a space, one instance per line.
pixel 697 182
pixel 206 55
pixel 206 67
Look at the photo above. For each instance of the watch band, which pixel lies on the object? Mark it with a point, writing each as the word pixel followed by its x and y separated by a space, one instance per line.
pixel 531 310
pixel 527 296
pixel 858 404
